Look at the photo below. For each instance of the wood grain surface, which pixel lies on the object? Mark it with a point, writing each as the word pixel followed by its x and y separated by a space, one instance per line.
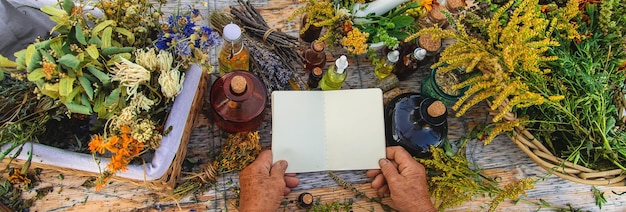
pixel 501 159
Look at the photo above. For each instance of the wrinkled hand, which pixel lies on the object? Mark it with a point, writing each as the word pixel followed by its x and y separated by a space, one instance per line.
pixel 404 178
pixel 263 185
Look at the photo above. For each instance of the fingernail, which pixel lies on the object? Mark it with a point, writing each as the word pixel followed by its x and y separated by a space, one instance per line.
pixel 282 164
pixel 382 162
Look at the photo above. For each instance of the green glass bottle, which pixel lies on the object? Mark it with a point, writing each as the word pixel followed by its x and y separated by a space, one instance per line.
pixel 336 75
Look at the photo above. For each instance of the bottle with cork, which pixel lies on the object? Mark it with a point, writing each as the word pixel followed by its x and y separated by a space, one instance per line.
pixel 314 77
pixel 416 122
pixel 238 101
pixel 409 63
pixel 336 75
pixel 431 45
pixel 233 54
pixel 384 69
pixel 435 17
pixel 315 56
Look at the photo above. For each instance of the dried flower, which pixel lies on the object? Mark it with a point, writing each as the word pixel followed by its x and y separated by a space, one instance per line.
pixel 130 75
pixel 147 59
pixel 171 82
pixel 355 41
pixel 238 151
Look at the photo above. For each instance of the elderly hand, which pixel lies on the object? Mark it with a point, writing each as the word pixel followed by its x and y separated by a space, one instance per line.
pixel 263 185
pixel 404 178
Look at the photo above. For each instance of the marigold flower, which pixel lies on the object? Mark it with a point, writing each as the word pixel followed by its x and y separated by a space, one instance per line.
pixel 96 145
pixel 17 177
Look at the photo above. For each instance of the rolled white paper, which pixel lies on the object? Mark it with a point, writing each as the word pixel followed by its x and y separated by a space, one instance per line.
pixel 378 7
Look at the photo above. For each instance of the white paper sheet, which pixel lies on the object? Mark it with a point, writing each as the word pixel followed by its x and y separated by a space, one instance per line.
pixel 328 130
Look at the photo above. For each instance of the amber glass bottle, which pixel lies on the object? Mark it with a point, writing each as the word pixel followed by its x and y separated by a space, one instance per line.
pixel 416 122
pixel 238 101
pixel 409 63
pixel 314 77
pixel 233 55
pixel 314 56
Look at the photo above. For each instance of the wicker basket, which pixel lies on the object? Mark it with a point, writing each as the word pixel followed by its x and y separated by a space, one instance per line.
pixel 557 166
pixel 162 172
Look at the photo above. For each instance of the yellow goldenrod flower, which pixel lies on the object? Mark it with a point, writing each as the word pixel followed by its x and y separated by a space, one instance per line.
pixel 48 69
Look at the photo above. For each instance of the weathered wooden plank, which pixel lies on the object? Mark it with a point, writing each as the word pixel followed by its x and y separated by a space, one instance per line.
pixel 500 159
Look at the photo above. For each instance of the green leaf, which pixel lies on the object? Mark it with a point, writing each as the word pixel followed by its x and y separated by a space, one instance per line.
pixel 87 86
pixel 68 5
pixel 53 11
pixel 20 59
pixel 5 62
pixel 52 90
pixel 402 21
pixel 93 52
pixel 129 35
pixel 116 50
pixel 84 100
pixel 100 27
pixel 28 55
pixel 106 37
pixel 66 84
pixel 400 35
pixel 95 41
pixel 610 123
pixel 103 77
pixel 69 61
pixel 113 98
pixel 57 46
pixel 35 61
pixel 76 108
pixel 35 75
pixel 80 37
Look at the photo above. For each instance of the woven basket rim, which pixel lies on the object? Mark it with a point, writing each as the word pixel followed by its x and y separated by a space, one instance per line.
pixel 539 154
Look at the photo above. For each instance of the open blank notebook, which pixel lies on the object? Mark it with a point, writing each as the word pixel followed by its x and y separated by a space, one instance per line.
pixel 328 130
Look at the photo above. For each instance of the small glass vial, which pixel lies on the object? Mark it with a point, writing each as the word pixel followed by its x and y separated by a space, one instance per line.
pixel 416 122
pixel 314 56
pixel 436 17
pixel 233 55
pixel 410 63
pixel 432 46
pixel 383 70
pixel 336 75
pixel 314 77
pixel 238 101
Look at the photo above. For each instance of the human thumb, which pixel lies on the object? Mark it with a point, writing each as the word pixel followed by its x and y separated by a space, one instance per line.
pixel 389 170
pixel 278 169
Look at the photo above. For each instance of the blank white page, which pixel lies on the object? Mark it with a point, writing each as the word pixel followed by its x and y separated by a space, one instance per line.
pixel 298 130
pixel 355 129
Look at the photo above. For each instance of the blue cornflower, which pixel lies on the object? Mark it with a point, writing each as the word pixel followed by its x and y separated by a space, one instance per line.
pixel 183 49
pixel 162 42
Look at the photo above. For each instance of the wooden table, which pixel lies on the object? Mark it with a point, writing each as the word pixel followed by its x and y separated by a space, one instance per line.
pixel 500 159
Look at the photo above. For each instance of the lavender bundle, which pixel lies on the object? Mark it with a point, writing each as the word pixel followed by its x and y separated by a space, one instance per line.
pixel 269 66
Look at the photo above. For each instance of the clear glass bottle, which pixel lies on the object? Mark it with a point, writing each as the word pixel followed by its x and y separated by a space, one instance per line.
pixel 314 56
pixel 233 54
pixel 383 70
pixel 336 75
pixel 415 122
pixel 410 63
pixel 238 101
pixel 314 77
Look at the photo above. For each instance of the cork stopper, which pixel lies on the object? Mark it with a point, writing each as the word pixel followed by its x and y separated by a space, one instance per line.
pixel 318 46
pixel 436 109
pixel 238 84
pixel 317 71
pixel 305 200
pixel 455 5
pixel 435 14
pixel 428 43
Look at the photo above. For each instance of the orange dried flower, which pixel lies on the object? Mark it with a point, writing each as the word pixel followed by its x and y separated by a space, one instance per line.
pixel 97 144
